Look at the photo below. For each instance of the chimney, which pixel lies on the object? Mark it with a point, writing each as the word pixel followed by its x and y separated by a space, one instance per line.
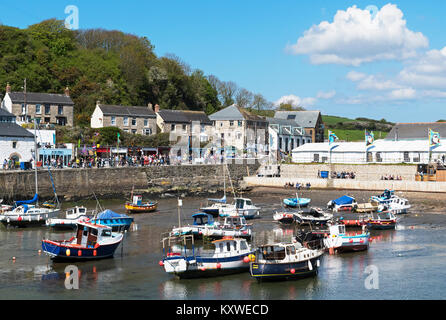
pixel 8 88
pixel 67 91
pixel 150 106
pixel 157 108
pixel 98 103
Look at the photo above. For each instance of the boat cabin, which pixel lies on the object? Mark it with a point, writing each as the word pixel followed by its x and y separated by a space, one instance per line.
pixel 279 251
pixel 229 245
pixel 76 212
pixel 201 219
pixel 137 200
pixel 338 229
pixel 89 234
pixel 242 203
pixel 234 222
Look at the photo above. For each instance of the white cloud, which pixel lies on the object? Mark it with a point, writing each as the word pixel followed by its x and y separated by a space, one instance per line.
pixel 296 101
pixel 326 95
pixel 356 76
pixel 403 94
pixel 354 37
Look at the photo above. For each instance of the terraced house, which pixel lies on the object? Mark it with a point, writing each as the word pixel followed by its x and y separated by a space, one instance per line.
pixel 130 119
pixel 47 108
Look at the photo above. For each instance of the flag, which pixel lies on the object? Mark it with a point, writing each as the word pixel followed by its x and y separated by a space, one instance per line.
pixel 331 137
pixel 369 138
pixel 434 138
pixel 79 143
pixel 119 135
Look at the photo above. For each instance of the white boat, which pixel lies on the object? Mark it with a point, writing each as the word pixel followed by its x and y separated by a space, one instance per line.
pixel 313 216
pixel 242 207
pixel 339 241
pixel 284 217
pixel 201 222
pixel 230 255
pixel 233 226
pixel 72 217
pixel 395 205
pixel 4 207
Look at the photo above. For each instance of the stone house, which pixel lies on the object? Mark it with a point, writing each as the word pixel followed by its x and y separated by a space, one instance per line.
pixel 47 108
pixel 310 120
pixel 240 131
pixel 130 119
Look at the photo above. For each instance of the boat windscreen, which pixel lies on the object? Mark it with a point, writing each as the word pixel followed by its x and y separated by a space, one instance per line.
pixel 273 252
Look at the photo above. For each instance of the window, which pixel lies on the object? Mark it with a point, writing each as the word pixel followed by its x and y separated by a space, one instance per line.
pixel 60 110
pixel 47 120
pixel 133 121
pixel 228 246
pixel 23 108
pixel 221 123
pixel 316 157
pixel 184 127
pixel 146 122
pixel 47 109
pixel 231 123
pixel 291 117
pixel 147 132
pixel 126 121
pixel 172 127
pixel 240 123
pixel 134 131
pixel 106 233
pixel 38 109
pixel 406 157
pixel 243 245
pixel 113 121
pixel 14 144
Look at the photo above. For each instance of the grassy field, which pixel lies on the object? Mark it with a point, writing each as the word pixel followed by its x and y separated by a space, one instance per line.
pixel 355 135
pixel 332 120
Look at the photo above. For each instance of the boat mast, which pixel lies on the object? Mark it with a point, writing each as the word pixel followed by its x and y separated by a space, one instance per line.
pixel 35 161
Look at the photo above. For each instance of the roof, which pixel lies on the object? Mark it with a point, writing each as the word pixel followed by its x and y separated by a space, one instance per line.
pixel 6 113
pixel 234 113
pixel 34 97
pixel 415 131
pixel 11 129
pixel 378 146
pixel 306 119
pixel 184 116
pixel 131 111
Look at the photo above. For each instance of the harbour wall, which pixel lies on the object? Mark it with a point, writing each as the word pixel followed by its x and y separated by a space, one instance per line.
pixel 74 184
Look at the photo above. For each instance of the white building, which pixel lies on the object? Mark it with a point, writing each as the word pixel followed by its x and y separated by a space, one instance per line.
pixel 382 151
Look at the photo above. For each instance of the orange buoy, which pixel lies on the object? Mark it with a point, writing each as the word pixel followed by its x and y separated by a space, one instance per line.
pixel 67 252
pixel 219 265
pixel 94 253
pixel 161 263
pixel 293 271
pixel 246 259
pixel 79 253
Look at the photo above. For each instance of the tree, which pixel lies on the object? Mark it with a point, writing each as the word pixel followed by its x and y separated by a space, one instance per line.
pixel 244 98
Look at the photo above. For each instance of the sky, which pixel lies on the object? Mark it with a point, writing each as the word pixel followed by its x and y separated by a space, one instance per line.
pixel 375 59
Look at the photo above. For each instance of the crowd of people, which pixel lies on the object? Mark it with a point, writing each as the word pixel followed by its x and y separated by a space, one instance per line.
pixel 298 185
pixel 391 177
pixel 119 161
pixel 343 175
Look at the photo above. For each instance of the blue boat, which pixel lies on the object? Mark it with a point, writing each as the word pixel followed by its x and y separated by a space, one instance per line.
pixel 92 242
pixel 296 202
pixel 118 222
pixel 284 261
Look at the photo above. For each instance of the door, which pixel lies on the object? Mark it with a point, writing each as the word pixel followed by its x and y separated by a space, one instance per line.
pixel 85 236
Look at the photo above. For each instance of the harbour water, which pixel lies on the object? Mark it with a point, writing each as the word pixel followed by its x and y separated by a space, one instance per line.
pixel 409 261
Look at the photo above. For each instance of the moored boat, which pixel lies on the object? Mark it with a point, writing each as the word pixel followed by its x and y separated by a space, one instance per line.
pixel 381 221
pixel 201 222
pixel 313 216
pixel 233 226
pixel 284 261
pixel 296 202
pixel 92 241
pixel 344 203
pixel 72 217
pixel 137 206
pixel 242 207
pixel 118 222
pixel 338 240
pixel 284 217
pixel 230 255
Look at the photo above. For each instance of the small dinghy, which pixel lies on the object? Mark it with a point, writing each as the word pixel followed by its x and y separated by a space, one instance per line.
pixel 137 206
pixel 297 202
pixel 284 217
pixel 230 255
pixel 92 242
pixel 284 261
pixel 201 221
pixel 381 221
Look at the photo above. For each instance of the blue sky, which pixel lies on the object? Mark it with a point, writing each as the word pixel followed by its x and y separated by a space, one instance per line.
pixel 342 68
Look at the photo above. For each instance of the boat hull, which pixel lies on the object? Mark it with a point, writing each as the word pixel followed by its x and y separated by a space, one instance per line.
pixel 294 202
pixel 60 252
pixel 283 271
pixel 23 221
pixel 117 224
pixel 381 225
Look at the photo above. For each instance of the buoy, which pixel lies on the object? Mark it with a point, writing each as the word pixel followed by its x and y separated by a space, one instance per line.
pixel 203 269
pixel 79 253
pixel 67 252
pixel 293 271
pixel 40 251
pixel 252 257
pixel 13 259
pixel 219 265
pixel 246 259
pixel 161 263
pixel 94 253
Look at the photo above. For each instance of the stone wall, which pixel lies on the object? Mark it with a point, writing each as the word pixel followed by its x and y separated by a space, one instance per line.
pixel 118 182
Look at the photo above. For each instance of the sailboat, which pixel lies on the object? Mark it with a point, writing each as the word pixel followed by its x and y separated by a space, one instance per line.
pixel 28 212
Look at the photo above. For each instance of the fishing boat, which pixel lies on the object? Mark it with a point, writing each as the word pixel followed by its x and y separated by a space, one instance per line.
pixel 230 256
pixel 284 217
pixel 201 221
pixel 242 207
pixel 392 202
pixel 344 203
pixel 284 261
pixel 118 222
pixel 233 226
pixel 381 221
pixel 367 207
pixel 338 240
pixel 72 217
pixel 92 241
pixel 297 202
pixel 313 216
pixel 137 206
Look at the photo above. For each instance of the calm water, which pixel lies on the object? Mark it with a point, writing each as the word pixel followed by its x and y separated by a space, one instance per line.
pixel 410 260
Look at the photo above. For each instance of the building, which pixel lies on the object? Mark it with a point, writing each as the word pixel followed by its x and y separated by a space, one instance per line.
pixel 285 135
pixel 47 108
pixel 310 120
pixel 182 122
pixel 16 143
pixel 415 131
pixel 130 119
pixel 240 130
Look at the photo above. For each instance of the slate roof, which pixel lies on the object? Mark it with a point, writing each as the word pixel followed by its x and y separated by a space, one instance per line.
pixel 9 129
pixel 40 98
pixel 6 113
pixel 234 113
pixel 184 116
pixel 306 119
pixel 129 111
pixel 416 131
